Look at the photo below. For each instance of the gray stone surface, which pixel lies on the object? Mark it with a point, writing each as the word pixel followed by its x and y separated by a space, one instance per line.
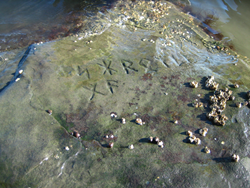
pixel 137 73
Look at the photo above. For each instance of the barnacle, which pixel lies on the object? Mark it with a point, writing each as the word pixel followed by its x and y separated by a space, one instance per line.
pixel 207 150
pixel 189 133
pixel 123 120
pixel 111 144
pixel 203 131
pixel 150 139
pixel 76 134
pixel 49 112
pixel 194 84
pixel 131 146
pixel 160 144
pixel 197 141
pixel 192 138
pixel 238 105
pixel 156 139
pixel 236 85
pixel 139 121
pixel 235 158
pixel 248 94
pixel 113 114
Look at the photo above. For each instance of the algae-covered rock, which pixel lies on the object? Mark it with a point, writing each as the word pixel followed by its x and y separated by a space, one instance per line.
pixel 136 60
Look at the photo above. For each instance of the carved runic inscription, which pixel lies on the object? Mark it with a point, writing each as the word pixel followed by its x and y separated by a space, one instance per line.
pixel 107 67
pixel 111 84
pixel 127 66
pixel 94 91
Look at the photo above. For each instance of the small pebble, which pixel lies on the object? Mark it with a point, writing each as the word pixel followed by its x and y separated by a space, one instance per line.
pixel 67 148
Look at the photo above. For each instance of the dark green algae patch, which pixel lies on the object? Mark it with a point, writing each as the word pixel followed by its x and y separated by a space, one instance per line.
pixel 83 82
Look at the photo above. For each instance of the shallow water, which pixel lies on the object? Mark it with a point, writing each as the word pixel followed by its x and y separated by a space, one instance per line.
pixel 26 22
pixel 231 18
pixel 136 61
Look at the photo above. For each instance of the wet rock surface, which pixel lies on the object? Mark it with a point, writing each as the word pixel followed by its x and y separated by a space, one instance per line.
pixel 136 73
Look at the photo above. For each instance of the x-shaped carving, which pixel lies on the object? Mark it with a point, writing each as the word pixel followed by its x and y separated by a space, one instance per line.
pixel 94 91
pixel 107 67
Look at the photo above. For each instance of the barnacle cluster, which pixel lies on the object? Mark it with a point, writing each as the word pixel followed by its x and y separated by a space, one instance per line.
pixel 210 83
pixel 197 104
pixel 218 105
pixel 157 141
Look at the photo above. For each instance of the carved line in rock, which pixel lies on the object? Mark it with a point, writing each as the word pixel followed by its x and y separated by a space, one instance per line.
pixel 94 91
pixel 111 85
pixel 80 72
pixel 127 66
